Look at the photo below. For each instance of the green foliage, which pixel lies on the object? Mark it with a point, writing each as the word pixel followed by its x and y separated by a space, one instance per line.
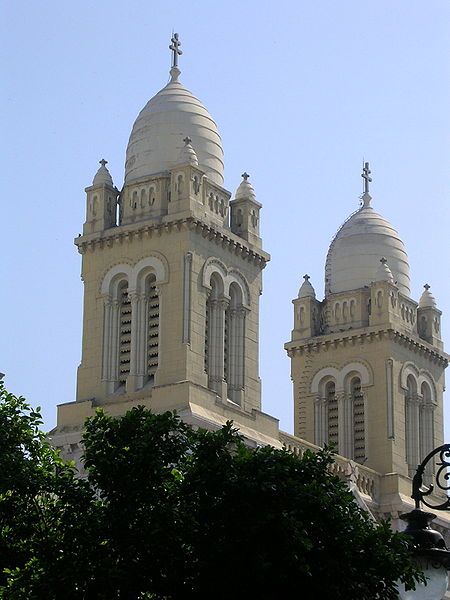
pixel 166 512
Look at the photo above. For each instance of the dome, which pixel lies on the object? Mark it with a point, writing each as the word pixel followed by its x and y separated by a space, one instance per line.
pixel 158 132
pixel 354 255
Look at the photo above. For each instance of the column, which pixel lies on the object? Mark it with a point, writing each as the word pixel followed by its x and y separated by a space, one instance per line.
pixel 113 354
pixel 412 433
pixel 217 307
pixel 106 338
pixel 187 298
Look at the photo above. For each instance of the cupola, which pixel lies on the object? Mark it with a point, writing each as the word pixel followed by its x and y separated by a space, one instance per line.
pixel 158 132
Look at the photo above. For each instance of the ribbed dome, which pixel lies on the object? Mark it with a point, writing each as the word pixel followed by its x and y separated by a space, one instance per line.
pixel 158 133
pixel 354 255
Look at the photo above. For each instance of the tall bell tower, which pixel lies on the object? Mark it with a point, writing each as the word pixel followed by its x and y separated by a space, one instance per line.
pixel 171 267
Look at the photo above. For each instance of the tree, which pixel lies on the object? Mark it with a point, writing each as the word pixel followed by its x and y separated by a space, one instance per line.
pixel 170 513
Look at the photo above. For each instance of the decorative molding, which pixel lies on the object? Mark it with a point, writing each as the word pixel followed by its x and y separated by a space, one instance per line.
pixel 351 338
pixel 228 277
pixel 339 375
pixel 420 376
pixel 117 235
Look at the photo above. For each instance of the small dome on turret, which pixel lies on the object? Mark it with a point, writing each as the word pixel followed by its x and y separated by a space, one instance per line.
pixel 245 190
pixel 383 272
pixel 427 298
pixel 103 176
pixel 306 289
pixel 187 153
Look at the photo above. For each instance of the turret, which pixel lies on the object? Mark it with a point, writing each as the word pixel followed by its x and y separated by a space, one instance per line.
pixel 245 212
pixel 101 201
pixel 306 312
pixel 429 319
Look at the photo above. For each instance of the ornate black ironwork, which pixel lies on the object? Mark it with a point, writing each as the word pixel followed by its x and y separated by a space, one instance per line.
pixel 441 478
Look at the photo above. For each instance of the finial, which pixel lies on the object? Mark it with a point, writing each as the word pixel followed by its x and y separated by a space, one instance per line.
pixel 187 140
pixel 383 260
pixel 306 277
pixel 103 162
pixel 427 287
pixel 245 175
pixel 366 176
pixel 175 47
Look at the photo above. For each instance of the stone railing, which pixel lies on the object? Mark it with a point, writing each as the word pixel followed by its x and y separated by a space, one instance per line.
pixel 366 480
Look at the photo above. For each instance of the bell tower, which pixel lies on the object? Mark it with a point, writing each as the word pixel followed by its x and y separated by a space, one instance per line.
pixel 171 285
pixel 367 362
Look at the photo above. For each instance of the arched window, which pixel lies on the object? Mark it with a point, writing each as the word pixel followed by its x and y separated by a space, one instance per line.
pixel 358 420
pixel 152 325
pixel 332 413
pixel 411 425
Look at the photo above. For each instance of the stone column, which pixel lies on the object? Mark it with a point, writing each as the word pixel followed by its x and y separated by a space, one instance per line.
pixel 342 423
pixel 236 352
pixel 412 433
pixel 217 307
pixel 113 355
pixel 106 366
pixel 187 298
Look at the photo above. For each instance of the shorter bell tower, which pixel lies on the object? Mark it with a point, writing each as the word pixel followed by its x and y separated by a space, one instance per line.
pixel 367 362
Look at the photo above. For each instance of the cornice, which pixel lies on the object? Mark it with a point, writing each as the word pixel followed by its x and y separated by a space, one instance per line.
pixel 126 233
pixel 333 341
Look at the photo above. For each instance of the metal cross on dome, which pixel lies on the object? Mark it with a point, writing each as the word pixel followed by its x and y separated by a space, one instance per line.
pixel 366 176
pixel 175 47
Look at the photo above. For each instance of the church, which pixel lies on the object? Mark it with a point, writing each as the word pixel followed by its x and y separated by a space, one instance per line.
pixel 172 272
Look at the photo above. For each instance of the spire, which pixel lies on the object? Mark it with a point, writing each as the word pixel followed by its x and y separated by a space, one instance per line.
pixel 306 290
pixel 103 175
pixel 245 190
pixel 366 197
pixel 187 153
pixel 176 52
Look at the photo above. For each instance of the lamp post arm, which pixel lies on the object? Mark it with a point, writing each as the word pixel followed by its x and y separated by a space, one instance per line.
pixel 442 478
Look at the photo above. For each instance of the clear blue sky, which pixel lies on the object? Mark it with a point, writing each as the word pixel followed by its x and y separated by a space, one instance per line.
pixel 301 91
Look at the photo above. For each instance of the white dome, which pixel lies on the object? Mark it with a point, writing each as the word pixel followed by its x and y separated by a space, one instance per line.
pixel 354 255
pixel 158 132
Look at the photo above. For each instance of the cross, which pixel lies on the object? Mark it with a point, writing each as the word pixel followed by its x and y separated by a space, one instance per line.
pixel 383 260
pixel 187 140
pixel 306 277
pixel 175 47
pixel 427 287
pixel 245 175
pixel 103 162
pixel 366 176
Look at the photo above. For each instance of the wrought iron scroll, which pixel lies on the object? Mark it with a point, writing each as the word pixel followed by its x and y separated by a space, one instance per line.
pixel 441 478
